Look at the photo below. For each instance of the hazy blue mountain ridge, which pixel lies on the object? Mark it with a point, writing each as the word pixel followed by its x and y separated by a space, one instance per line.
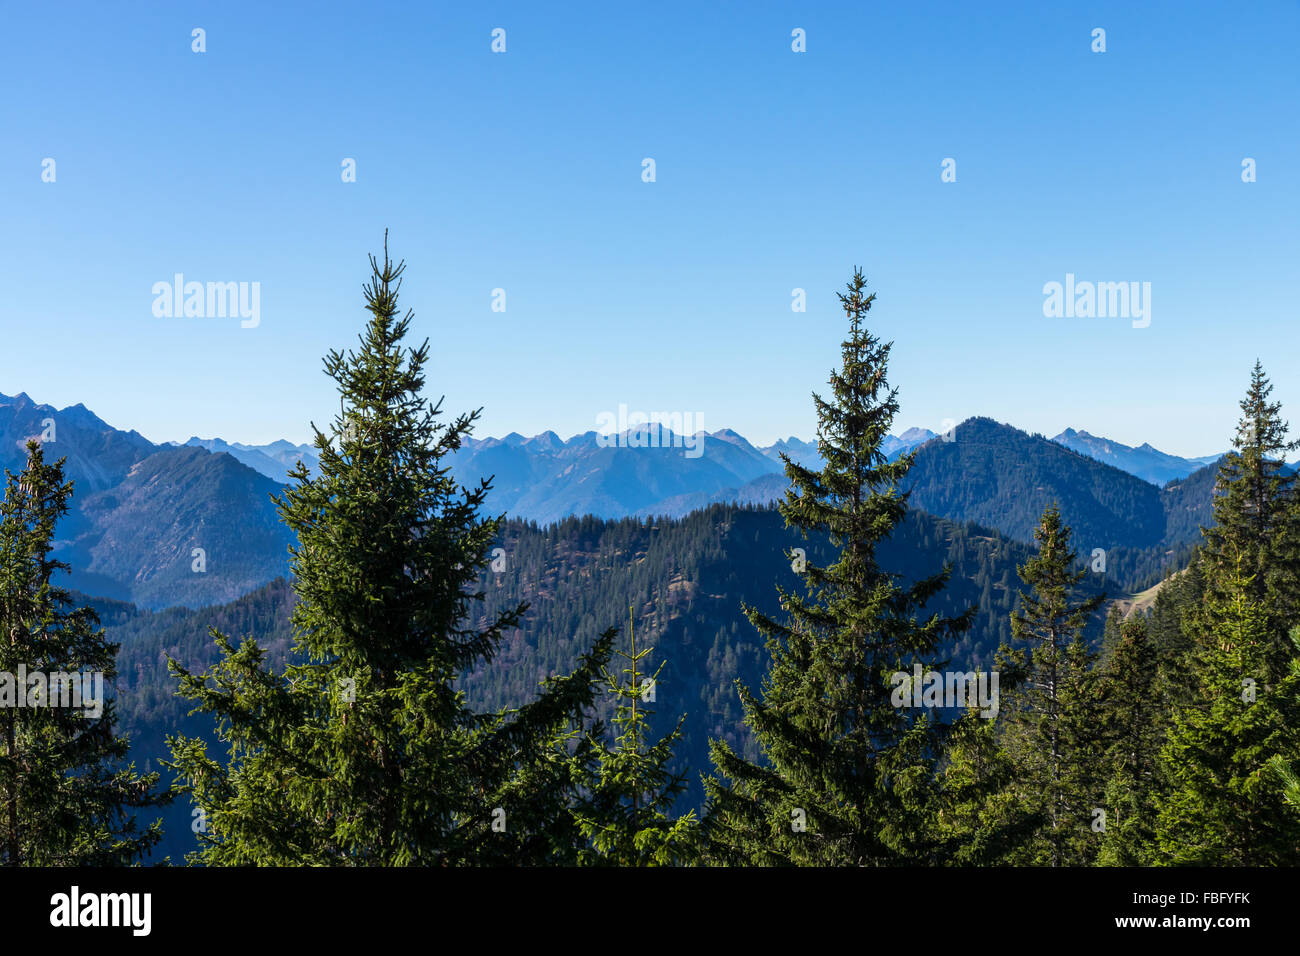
pixel 1149 464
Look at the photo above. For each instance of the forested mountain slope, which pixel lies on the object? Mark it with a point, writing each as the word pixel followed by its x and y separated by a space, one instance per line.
pixel 684 580
pixel 999 476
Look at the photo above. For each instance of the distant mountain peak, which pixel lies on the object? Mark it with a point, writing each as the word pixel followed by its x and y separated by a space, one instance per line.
pixel 732 437
pixel 917 434
pixel 1145 461
pixel 274 461
pixel 546 439
pixel 21 400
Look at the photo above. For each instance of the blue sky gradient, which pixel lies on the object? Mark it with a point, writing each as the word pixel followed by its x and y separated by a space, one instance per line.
pixel 775 170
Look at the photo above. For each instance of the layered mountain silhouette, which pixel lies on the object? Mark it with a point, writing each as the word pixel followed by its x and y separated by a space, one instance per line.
pixel 194 524
pixel 1147 463
pixel 981 471
pixel 98 456
pixel 275 460
pixel 154 525
pixel 999 476
pixel 642 471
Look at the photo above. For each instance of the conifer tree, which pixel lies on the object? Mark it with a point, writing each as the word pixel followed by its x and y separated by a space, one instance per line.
pixel 1289 774
pixel 983 819
pixel 1110 636
pixel 627 789
pixel 1052 724
pixel 363 749
pixel 1224 806
pixel 1174 632
pixel 1137 722
pixel 66 798
pixel 1256 528
pixel 845 777
pixel 1290 782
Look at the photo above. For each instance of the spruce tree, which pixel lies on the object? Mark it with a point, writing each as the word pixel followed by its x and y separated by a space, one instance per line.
pixel 624 813
pixel 66 798
pixel 1052 725
pixel 1224 805
pixel 1256 528
pixel 1290 782
pixel 983 820
pixel 1174 631
pixel 1110 635
pixel 363 749
pixel 1137 722
pixel 845 777
pixel 1288 774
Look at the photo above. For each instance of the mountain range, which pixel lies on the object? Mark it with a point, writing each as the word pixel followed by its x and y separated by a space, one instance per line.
pixel 194 524
pixel 546 479
pixel 157 525
pixel 1149 464
pixel 981 471
pixel 275 460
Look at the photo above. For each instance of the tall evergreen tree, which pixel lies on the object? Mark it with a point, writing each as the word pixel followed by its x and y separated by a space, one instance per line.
pixel 66 798
pixel 364 750
pixel 1256 526
pixel 984 819
pixel 846 777
pixel 1052 724
pixel 1174 631
pixel 1224 806
pixel 1137 722
pixel 1110 635
pixel 627 791
pixel 1289 774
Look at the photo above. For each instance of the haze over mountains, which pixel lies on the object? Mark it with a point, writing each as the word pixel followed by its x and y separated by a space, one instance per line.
pixel 275 460
pixel 142 515
pixel 194 524
pixel 979 471
pixel 544 479
pixel 1149 464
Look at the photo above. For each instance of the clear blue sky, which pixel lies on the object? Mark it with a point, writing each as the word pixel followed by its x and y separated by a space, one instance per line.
pixel 775 170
